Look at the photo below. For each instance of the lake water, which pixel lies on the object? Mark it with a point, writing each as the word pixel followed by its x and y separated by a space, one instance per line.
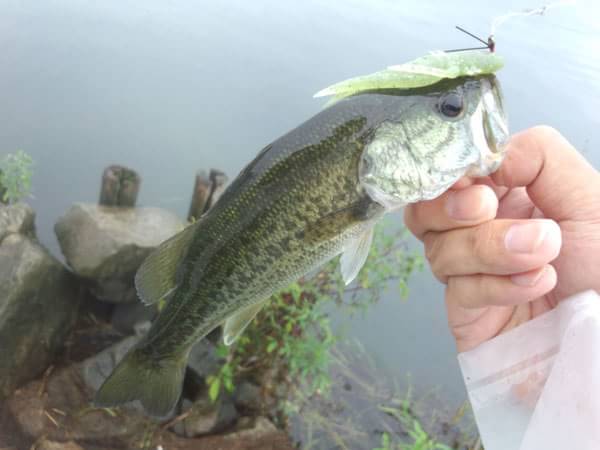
pixel 170 87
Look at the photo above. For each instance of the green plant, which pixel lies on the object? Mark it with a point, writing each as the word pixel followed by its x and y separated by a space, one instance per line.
pixel 288 345
pixel 420 439
pixel 222 379
pixel 385 442
pixel 15 176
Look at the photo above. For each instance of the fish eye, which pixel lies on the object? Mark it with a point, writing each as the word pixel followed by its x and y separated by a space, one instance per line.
pixel 451 104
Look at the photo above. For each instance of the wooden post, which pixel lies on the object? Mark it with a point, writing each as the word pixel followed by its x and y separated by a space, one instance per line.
pixel 120 186
pixel 200 195
pixel 207 190
pixel 2 191
pixel 219 180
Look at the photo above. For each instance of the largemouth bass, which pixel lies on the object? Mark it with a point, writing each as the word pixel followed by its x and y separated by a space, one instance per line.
pixel 312 194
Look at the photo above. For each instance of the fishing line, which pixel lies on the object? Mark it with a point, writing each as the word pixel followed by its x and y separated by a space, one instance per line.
pixel 501 20
pixel 490 44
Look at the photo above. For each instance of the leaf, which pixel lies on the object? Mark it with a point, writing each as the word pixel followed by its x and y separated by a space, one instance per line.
pixel 228 382
pixel 215 388
pixel 222 350
pixel 272 346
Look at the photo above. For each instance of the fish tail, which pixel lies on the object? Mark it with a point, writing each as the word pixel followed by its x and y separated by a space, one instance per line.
pixel 156 383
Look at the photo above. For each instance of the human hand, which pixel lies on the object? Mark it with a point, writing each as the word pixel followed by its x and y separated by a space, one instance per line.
pixel 496 241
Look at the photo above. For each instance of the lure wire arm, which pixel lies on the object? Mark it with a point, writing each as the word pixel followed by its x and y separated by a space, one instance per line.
pixel 489 45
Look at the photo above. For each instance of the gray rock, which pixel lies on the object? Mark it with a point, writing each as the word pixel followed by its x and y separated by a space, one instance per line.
pixel 39 300
pixel 125 316
pixel 97 368
pixel 17 218
pixel 108 244
pixel 52 445
pixel 205 417
pixel 247 397
pixel 260 428
pixel 203 360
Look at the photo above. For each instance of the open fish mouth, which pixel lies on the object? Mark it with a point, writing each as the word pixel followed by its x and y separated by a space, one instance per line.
pixel 488 133
pixel 494 120
pixel 490 130
pixel 496 141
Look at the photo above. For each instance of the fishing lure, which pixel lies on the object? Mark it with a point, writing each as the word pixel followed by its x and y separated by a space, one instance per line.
pixel 423 71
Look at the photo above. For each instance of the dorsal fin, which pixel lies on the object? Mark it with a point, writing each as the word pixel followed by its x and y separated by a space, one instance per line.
pixel 156 278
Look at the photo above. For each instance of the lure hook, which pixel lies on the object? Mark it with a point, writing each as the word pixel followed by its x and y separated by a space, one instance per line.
pixel 490 44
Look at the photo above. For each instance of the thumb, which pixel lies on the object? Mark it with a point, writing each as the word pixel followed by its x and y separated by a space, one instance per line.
pixel 559 181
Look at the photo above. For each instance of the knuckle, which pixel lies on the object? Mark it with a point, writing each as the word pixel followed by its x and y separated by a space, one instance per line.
pixel 410 219
pixel 481 242
pixel 545 132
pixel 432 247
pixel 431 243
pixel 416 220
pixel 462 289
pixel 433 254
pixel 545 137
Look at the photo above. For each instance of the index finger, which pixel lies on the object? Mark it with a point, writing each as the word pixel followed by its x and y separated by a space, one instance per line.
pixel 453 209
pixel 559 181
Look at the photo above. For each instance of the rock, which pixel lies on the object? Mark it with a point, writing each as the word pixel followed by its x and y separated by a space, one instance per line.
pixel 39 301
pixel 247 397
pixel 261 434
pixel 18 218
pixel 126 316
pixel 203 360
pixel 28 412
pixel 57 409
pixel 52 445
pixel 260 428
pixel 205 417
pixel 107 244
pixel 97 368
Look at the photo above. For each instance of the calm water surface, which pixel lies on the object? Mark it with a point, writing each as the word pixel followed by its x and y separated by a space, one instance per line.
pixel 171 87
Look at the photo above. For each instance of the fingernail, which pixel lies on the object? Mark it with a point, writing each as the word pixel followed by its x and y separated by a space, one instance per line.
pixel 528 279
pixel 526 237
pixel 463 205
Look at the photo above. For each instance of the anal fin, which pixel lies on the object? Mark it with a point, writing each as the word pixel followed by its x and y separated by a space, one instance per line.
pixel 237 323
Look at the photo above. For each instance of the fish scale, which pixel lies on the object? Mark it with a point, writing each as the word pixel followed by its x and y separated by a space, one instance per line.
pixel 310 195
pixel 313 180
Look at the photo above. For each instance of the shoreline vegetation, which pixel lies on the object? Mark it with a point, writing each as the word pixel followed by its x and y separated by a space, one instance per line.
pixel 288 382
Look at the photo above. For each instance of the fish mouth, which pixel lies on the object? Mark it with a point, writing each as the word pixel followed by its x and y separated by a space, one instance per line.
pixel 490 129
pixel 496 138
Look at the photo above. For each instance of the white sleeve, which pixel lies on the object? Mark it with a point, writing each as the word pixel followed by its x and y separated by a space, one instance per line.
pixel 538 385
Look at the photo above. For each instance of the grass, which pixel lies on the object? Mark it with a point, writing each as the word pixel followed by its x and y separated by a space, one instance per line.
pixel 367 409
pixel 15 177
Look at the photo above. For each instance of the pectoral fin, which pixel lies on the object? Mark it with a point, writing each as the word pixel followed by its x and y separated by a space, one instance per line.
pixel 331 225
pixel 237 323
pixel 157 276
pixel 355 255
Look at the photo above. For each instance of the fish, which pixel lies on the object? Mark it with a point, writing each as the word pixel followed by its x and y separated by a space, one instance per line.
pixel 309 196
